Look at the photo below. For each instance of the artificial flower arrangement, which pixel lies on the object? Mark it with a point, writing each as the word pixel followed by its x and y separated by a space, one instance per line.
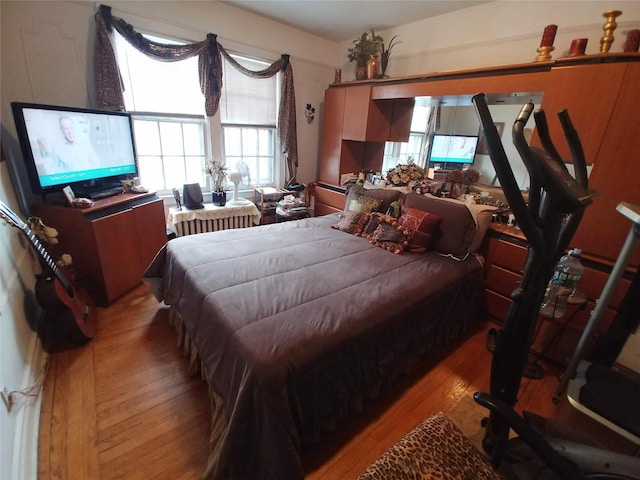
pixel 403 174
pixel 217 170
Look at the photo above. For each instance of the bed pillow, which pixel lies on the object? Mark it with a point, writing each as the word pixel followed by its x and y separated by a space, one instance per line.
pixel 457 228
pixel 385 196
pixel 482 215
pixel 363 204
pixel 352 222
pixel 424 226
pixel 390 235
pixel 372 224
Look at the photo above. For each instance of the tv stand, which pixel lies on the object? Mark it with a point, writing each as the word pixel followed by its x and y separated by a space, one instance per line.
pixel 111 242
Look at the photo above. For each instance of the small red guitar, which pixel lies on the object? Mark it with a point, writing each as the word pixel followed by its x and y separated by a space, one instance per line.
pixel 71 307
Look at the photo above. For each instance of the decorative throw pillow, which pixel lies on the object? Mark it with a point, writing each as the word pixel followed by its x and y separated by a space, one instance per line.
pixel 386 196
pixel 364 204
pixel 394 210
pixel 457 228
pixel 482 215
pixel 390 235
pixel 372 223
pixel 424 226
pixel 352 222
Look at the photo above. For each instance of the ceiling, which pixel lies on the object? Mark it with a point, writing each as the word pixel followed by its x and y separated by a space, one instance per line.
pixel 341 20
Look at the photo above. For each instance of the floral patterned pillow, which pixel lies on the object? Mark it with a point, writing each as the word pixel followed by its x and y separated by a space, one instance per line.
pixel 390 235
pixel 352 222
pixel 364 204
pixel 424 226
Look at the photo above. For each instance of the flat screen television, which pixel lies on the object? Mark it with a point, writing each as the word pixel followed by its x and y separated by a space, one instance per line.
pixel 90 150
pixel 452 151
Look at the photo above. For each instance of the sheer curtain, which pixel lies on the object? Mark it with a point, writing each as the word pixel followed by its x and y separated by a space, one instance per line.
pixel 109 84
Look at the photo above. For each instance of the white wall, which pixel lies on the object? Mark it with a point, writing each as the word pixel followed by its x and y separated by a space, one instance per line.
pixel 21 356
pixel 501 32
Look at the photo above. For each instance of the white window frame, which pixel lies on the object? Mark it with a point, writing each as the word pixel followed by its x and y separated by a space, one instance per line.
pixel 212 129
pixel 218 126
pixel 182 119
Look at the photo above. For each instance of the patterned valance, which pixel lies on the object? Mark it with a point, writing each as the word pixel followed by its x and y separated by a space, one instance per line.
pixel 109 85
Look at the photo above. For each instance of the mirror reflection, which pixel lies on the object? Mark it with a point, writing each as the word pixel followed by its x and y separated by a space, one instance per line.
pixel 445 135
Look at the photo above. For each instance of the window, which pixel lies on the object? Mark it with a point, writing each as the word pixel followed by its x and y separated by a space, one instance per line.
pixel 170 150
pixel 416 149
pixel 248 115
pixel 173 136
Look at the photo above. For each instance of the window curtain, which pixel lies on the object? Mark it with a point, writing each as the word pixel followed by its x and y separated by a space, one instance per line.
pixel 433 125
pixel 109 85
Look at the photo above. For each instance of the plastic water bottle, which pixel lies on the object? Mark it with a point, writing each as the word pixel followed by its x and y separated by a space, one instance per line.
pixel 566 276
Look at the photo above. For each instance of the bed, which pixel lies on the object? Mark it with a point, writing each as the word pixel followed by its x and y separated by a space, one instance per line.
pixel 294 325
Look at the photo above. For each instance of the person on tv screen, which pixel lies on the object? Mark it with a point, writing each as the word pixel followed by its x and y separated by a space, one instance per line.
pixel 462 147
pixel 73 154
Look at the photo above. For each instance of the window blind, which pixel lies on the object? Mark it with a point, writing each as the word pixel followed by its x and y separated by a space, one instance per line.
pixel 246 100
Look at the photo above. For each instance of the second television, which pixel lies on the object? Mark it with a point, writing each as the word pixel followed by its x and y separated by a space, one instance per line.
pixel 452 151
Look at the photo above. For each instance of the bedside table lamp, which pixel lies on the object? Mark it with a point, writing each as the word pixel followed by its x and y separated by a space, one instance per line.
pixel 236 178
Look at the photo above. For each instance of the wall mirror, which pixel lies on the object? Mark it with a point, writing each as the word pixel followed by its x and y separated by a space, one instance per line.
pixel 445 134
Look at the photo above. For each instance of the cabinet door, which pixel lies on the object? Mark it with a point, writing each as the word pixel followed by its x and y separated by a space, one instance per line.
pixel 365 119
pixel 151 231
pixel 615 176
pixel 589 93
pixel 332 136
pixel 401 119
pixel 116 240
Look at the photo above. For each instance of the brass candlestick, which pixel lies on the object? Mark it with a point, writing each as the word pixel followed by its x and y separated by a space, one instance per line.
pixel 544 53
pixel 609 28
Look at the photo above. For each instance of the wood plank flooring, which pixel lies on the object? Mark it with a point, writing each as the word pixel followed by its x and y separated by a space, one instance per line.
pixel 124 407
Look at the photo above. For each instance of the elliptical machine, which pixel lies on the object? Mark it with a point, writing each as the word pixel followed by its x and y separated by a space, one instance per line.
pixel 556 204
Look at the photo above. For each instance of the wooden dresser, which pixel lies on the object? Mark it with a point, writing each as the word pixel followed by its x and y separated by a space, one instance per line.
pixel 111 243
pixel 505 252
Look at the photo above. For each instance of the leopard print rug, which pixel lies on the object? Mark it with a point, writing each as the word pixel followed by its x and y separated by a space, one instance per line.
pixel 434 450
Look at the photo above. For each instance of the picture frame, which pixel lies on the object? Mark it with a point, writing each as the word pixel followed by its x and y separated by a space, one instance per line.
pixel 482 146
pixel 68 194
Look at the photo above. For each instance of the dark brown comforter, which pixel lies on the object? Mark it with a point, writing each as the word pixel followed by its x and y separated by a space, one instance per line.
pixel 296 323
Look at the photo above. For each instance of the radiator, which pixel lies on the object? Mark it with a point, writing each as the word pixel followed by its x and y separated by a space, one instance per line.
pixel 191 227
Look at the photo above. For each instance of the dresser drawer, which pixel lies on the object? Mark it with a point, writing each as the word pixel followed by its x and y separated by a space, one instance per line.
pixel 501 280
pixel 330 197
pixel 506 255
pixel 320 209
pixel 497 306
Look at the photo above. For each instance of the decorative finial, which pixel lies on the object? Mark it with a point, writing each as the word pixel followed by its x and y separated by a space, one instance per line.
pixel 609 28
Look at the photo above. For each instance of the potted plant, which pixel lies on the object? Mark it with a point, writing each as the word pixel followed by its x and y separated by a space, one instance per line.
pixel 385 53
pixel 217 170
pixel 363 48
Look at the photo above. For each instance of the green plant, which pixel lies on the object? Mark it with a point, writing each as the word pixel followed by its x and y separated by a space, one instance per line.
pixel 386 52
pixel 363 47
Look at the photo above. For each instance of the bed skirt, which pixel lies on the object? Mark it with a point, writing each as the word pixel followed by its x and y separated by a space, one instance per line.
pixel 421 335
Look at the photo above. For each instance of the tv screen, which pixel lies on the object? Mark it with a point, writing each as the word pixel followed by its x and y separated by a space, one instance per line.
pixel 453 149
pixel 87 149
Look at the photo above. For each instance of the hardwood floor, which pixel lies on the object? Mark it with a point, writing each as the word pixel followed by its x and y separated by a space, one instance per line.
pixel 124 407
